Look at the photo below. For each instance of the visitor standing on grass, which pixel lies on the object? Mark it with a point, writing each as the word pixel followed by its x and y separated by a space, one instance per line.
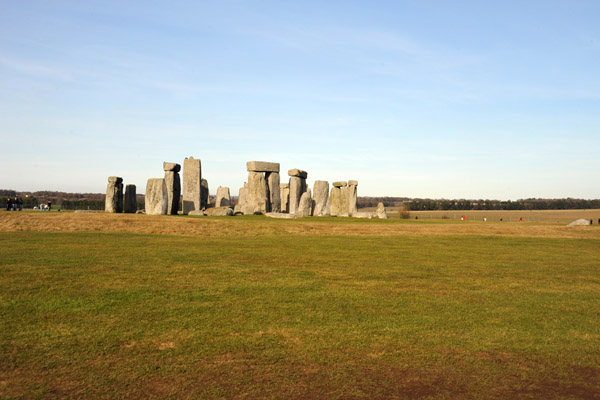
pixel 49 205
pixel 20 204
pixel 15 203
pixel 8 203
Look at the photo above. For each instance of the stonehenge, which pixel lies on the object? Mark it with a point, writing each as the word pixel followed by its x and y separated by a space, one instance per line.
pixel 130 205
pixel 264 193
pixel 173 185
pixel 223 199
pixel 114 195
pixel 297 188
pixel 192 185
pixel 381 214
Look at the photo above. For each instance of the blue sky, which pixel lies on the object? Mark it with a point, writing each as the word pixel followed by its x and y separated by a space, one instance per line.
pixel 464 99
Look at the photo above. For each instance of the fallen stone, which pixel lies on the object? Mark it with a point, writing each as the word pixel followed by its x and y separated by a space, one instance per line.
pixel 219 212
pixel 339 184
pixel 298 172
pixel 171 166
pixel 197 213
pixel 113 203
pixel 579 222
pixel 156 197
pixel 130 204
pixel 381 213
pixel 262 166
pixel 223 199
pixel 280 215
pixel 140 212
pixel 363 214
pixel 320 198
pixel 192 181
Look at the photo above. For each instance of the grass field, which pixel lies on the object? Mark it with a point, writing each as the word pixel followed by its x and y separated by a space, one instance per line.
pixel 135 306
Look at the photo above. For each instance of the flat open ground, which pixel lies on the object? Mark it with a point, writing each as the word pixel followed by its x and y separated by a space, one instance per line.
pixel 135 306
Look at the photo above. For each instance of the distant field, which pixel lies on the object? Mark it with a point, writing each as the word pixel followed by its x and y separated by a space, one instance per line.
pixel 135 306
pixel 543 216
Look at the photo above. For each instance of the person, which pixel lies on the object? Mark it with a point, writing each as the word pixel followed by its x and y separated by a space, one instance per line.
pixel 49 205
pixel 20 204
pixel 598 221
pixel 484 219
pixel 15 204
pixel 521 219
pixel 8 204
pixel 501 219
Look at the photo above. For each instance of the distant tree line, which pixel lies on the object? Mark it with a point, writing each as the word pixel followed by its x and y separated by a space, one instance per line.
pixel 526 204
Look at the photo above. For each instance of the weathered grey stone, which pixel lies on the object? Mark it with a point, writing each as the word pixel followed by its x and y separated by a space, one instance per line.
pixel 344 202
pixel 334 201
pixel 352 197
pixel 363 214
pixel 219 212
pixel 285 197
pixel 130 205
pixel 204 194
pixel 173 190
pixel 242 204
pixel 274 191
pixel 298 172
pixel 297 188
pixel 339 184
pixel 196 213
pixel 192 180
pixel 171 166
pixel 304 207
pixel 140 212
pixel 262 166
pixel 381 214
pixel 280 215
pixel 113 202
pixel 223 199
pixel 320 198
pixel 156 196
pixel 258 193
pixel 579 222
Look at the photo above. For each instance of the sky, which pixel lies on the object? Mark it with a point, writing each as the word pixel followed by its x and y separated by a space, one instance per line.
pixel 430 99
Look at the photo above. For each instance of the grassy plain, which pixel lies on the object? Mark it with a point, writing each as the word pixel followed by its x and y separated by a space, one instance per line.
pixel 135 306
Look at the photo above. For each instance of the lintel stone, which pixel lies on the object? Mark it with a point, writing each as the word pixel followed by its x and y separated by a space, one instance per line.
pixel 352 183
pixel 171 166
pixel 297 172
pixel 262 166
pixel 340 184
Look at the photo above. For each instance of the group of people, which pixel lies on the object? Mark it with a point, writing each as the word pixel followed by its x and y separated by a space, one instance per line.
pixel 15 204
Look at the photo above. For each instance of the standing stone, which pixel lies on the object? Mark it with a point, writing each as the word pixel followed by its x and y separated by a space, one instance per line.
pixel 334 201
pixel 274 193
pixel 381 214
pixel 297 187
pixel 156 196
pixel 192 181
pixel 258 193
pixel 304 206
pixel 285 197
pixel 223 198
pixel 173 186
pixel 130 205
pixel 320 197
pixel 204 194
pixel 113 202
pixel 242 204
pixel 352 197
pixel 344 202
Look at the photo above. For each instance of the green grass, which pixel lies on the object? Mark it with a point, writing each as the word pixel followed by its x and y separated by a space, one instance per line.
pixel 142 316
